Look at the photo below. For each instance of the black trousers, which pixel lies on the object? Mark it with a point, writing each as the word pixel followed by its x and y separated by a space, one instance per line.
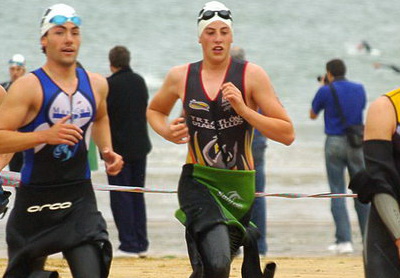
pixel 129 209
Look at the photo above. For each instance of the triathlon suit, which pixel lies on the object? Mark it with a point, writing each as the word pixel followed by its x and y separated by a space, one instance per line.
pixel 217 184
pixel 381 254
pixel 220 138
pixel 55 208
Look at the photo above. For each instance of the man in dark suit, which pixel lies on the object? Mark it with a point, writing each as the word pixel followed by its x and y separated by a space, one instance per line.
pixel 127 104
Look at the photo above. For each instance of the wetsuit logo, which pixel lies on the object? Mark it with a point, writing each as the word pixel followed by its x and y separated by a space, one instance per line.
pixel 199 105
pixel 226 105
pixel 234 195
pixel 55 206
pixel 231 198
pixel 64 152
pixel 81 111
pixel 79 107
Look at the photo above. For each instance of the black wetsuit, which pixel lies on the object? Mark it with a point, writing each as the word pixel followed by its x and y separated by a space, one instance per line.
pixel 215 210
pixel 382 159
pixel 55 207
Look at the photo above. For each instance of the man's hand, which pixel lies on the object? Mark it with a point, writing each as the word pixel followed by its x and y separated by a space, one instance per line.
pixel 113 162
pixel 177 131
pixel 232 94
pixel 62 133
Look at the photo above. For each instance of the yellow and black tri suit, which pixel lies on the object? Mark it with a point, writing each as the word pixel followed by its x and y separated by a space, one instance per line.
pixel 382 176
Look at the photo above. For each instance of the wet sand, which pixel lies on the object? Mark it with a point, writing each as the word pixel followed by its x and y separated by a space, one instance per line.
pixel 299 230
pixel 177 267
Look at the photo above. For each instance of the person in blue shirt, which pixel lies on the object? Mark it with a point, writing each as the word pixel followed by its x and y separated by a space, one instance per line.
pixel 339 155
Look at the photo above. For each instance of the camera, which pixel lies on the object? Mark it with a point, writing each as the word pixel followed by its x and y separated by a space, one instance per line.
pixel 323 78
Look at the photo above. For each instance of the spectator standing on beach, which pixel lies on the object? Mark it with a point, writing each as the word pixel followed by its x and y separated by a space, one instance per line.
pixel 339 155
pixel 127 104
pixel 220 97
pixel 16 69
pixel 49 114
pixel 259 211
pixel 380 185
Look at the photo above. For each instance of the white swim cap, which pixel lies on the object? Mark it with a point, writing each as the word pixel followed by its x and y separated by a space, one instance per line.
pixel 213 11
pixel 58 14
pixel 17 60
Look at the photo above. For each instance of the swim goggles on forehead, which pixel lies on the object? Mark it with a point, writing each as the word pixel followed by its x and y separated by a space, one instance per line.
pixel 206 15
pixel 60 20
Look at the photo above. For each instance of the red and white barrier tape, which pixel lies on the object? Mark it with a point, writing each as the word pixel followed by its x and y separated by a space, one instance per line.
pixel 12 179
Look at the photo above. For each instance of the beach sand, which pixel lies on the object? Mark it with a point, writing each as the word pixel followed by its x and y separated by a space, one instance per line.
pixel 299 231
pixel 179 267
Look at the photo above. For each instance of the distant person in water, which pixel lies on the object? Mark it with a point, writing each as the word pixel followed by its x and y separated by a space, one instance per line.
pixel 366 48
pixel 364 45
pixel 388 66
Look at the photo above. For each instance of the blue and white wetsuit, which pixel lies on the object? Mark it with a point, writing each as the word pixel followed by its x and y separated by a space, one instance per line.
pixel 49 164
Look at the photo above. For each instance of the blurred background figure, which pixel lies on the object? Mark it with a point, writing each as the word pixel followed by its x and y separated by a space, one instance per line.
pixel 343 103
pixel 127 103
pixel 259 213
pixel 16 68
pixel 365 47
pixel 387 66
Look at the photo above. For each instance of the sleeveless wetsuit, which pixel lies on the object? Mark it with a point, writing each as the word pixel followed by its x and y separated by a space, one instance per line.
pixel 381 254
pixel 47 164
pixel 217 184
pixel 220 138
pixel 55 208
pixel 219 154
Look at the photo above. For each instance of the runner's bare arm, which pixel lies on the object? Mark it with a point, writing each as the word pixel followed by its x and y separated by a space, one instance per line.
pixel 274 121
pixel 19 107
pixel 2 93
pixel 4 158
pixel 381 120
pixel 101 133
pixel 162 103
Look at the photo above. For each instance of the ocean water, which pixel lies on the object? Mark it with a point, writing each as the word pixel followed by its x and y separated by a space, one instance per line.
pixel 292 40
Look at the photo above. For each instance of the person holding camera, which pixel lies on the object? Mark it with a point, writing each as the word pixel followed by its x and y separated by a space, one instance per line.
pixel 343 103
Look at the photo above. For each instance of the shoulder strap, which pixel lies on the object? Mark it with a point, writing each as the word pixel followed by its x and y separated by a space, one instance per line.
pixel 339 108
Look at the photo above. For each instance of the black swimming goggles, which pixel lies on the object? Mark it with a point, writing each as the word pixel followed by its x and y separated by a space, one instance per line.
pixel 206 15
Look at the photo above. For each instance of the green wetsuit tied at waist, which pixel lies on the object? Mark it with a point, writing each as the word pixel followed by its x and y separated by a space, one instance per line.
pixel 208 196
